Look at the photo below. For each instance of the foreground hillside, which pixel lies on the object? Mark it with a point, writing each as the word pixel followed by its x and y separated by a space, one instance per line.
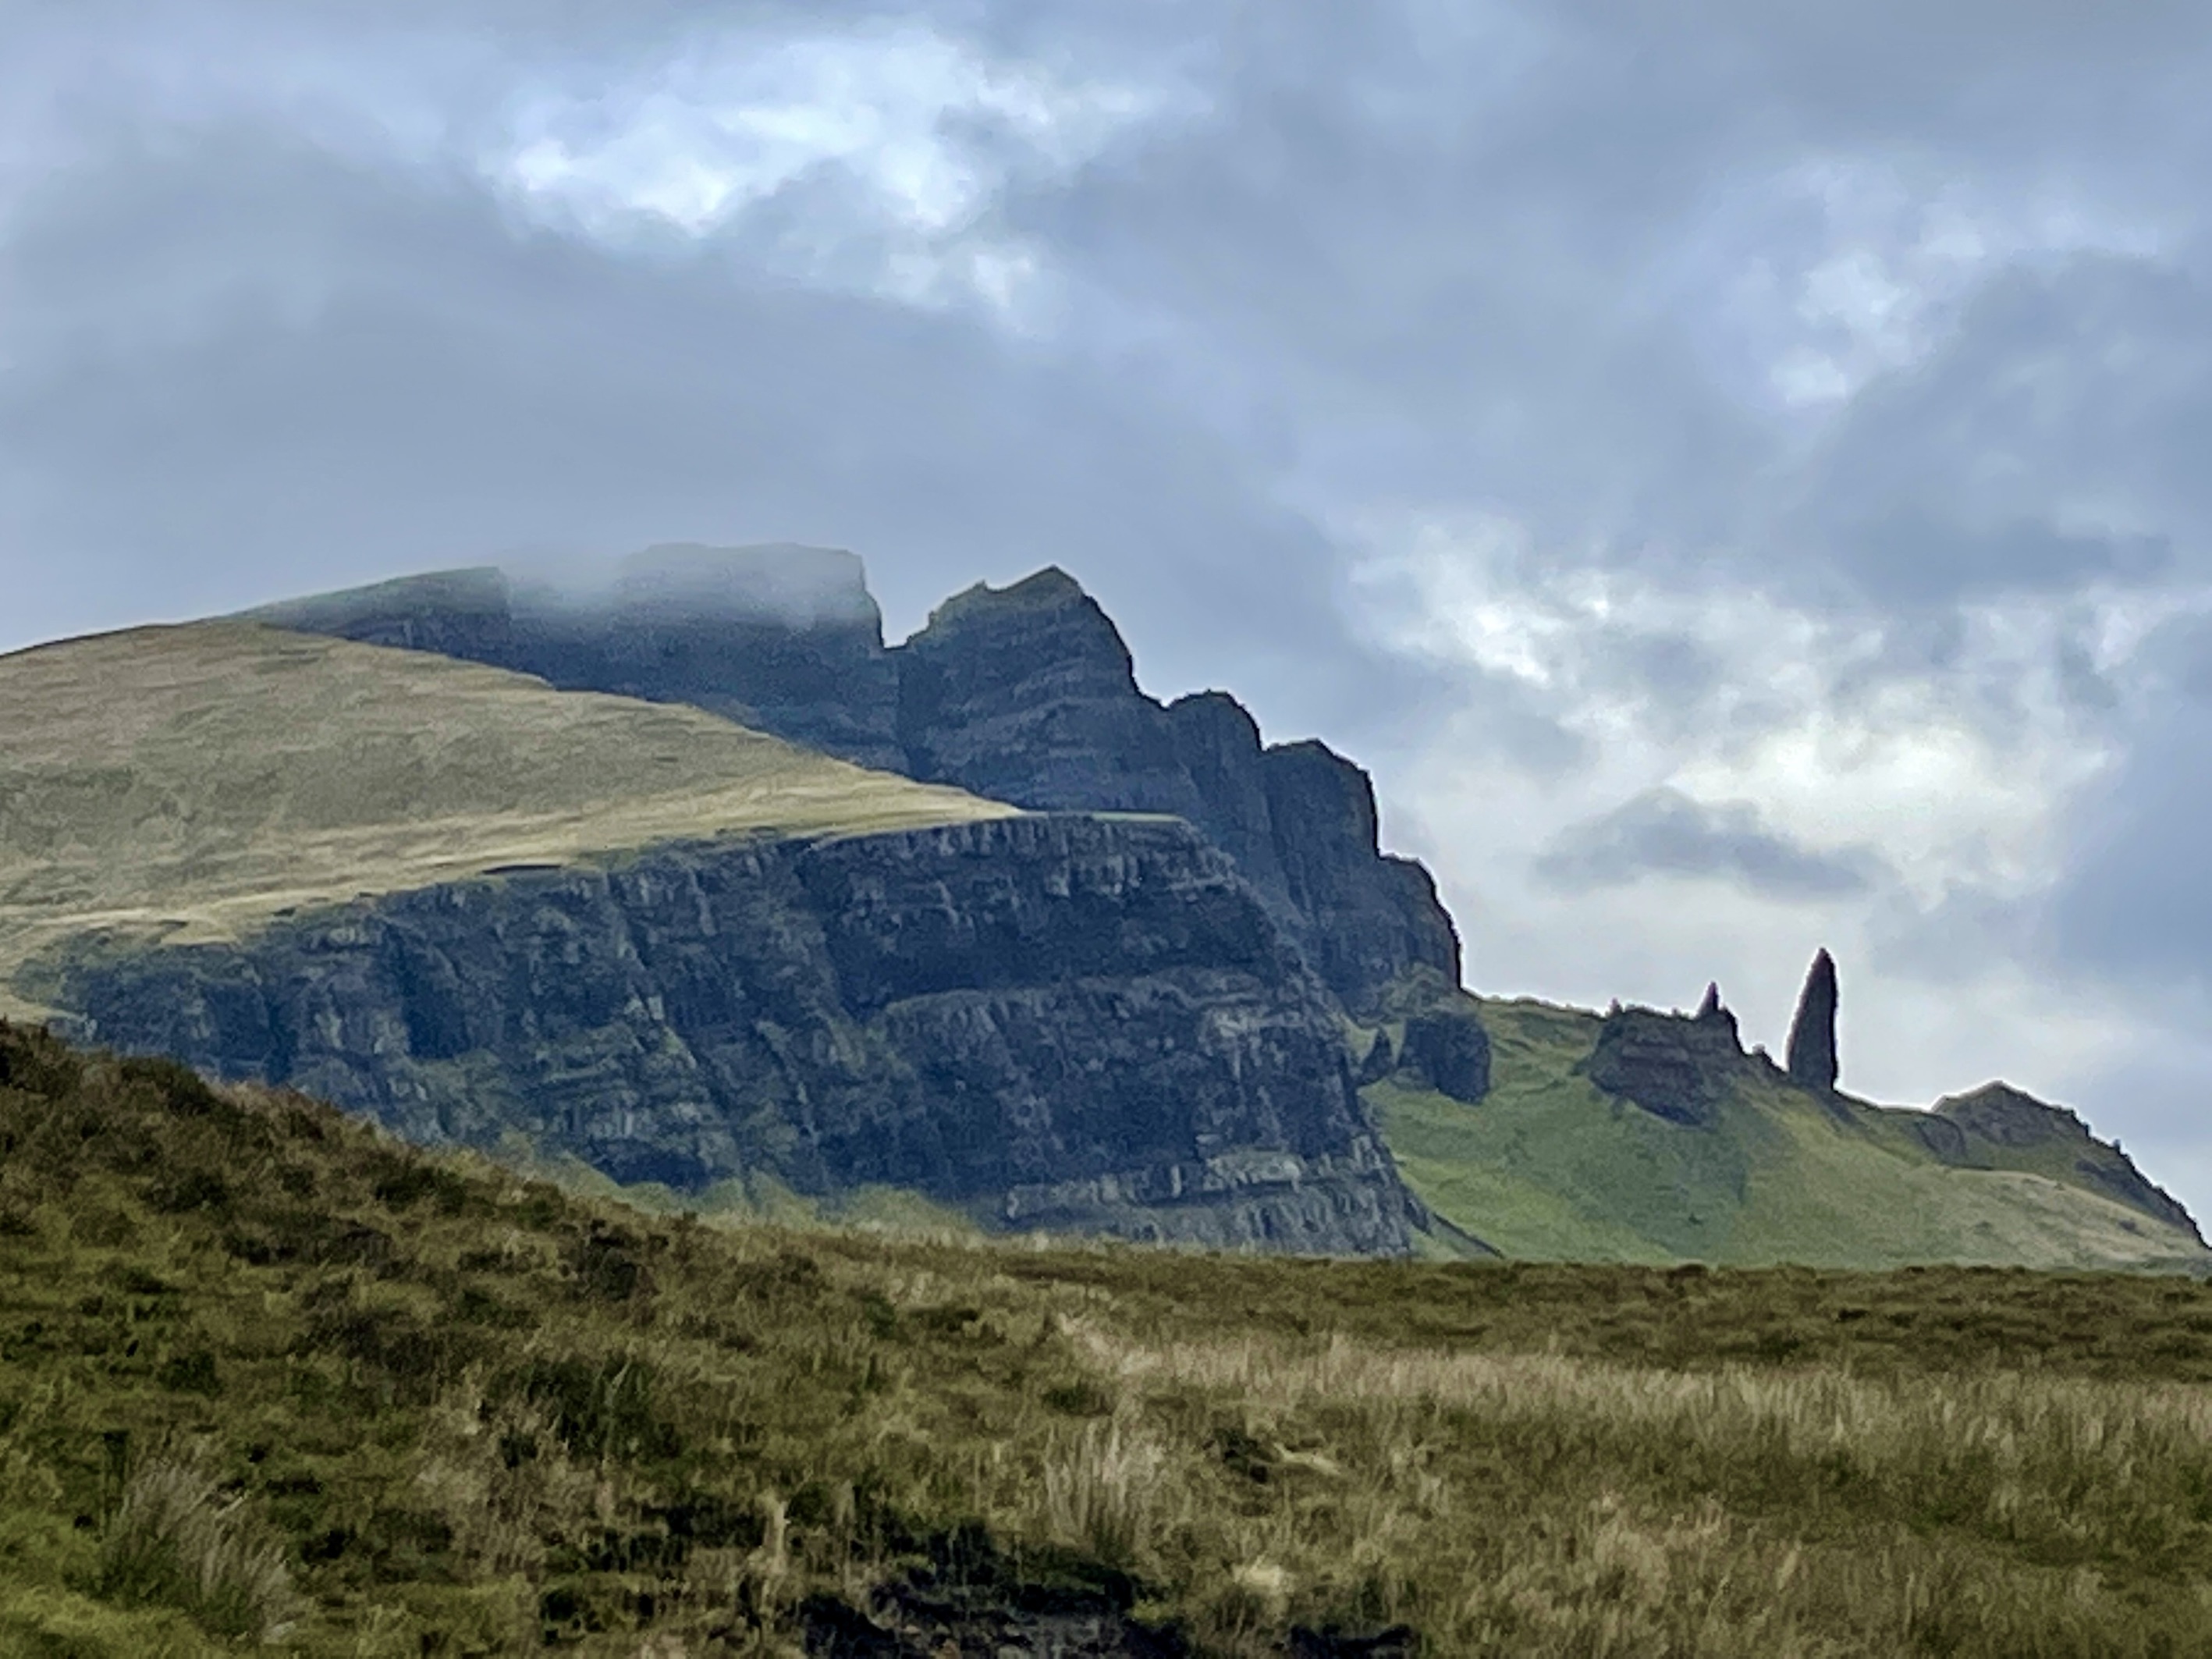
pixel 266 1375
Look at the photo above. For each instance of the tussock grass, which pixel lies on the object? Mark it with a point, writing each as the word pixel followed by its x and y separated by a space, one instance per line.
pixel 459 1410
pixel 175 1538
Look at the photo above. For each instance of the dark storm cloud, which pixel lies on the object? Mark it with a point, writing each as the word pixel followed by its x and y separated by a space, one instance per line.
pixel 1663 832
pixel 1416 252
pixel 242 368
pixel 2136 902
pixel 2090 382
pixel 1488 249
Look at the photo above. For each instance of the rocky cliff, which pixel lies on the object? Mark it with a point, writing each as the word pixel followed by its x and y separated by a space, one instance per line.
pixel 1025 693
pixel 1054 1022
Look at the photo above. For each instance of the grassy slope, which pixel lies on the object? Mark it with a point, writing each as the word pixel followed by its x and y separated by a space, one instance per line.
pixel 407 1407
pixel 188 781
pixel 1550 1168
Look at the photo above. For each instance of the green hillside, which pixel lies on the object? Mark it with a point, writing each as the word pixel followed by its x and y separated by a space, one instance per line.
pixel 181 783
pixel 269 1376
pixel 1549 1167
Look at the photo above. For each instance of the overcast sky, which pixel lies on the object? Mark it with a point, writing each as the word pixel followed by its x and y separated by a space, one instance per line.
pixel 1738 473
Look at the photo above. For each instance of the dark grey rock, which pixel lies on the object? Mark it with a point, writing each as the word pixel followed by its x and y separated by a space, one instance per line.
pixel 1054 1022
pixel 1452 1053
pixel 1810 1057
pixel 1674 1067
pixel 786 639
pixel 1397 1642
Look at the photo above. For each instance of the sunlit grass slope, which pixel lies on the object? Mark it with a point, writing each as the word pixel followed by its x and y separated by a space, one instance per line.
pixel 189 781
pixel 1550 1168
pixel 266 1373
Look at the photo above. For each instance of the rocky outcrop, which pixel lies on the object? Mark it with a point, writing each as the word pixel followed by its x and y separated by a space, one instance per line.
pixel 1054 1022
pixel 1810 1058
pixel 2002 1116
pixel 1674 1067
pixel 1025 693
pixel 1448 1052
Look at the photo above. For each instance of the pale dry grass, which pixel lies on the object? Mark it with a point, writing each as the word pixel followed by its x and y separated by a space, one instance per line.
pixel 176 1540
pixel 1773 1513
pixel 191 782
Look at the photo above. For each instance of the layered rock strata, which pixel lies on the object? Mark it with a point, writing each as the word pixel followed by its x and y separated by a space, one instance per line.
pixel 1054 1022
pixel 1672 1067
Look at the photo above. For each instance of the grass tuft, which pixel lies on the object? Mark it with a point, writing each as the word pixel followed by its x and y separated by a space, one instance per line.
pixel 176 1540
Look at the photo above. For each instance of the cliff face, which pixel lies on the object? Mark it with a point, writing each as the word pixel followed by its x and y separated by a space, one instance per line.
pixel 1054 1022
pixel 1025 694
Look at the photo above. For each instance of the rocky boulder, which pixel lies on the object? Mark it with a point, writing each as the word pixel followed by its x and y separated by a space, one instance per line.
pixel 1450 1053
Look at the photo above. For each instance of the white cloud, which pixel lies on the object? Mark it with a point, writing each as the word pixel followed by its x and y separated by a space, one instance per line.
pixel 924 131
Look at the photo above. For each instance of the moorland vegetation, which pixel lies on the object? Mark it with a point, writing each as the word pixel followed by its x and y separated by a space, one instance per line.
pixel 269 1376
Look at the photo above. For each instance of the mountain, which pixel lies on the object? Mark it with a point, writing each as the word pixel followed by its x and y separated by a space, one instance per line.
pixel 1025 693
pixel 1163 985
pixel 475 907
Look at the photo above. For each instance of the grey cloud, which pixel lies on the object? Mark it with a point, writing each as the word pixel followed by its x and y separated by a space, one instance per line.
pixel 2136 903
pixel 1436 255
pixel 2091 382
pixel 238 368
pixel 1663 832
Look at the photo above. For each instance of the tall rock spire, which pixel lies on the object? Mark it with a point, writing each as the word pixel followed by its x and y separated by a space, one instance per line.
pixel 1811 1054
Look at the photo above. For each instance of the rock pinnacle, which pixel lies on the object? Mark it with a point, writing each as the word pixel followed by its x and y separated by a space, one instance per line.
pixel 1812 1051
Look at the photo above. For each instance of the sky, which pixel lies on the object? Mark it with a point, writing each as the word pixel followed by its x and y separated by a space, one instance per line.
pixel 1737 474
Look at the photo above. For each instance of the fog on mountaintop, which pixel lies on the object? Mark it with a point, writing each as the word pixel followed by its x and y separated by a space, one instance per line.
pixel 781 582
pixel 1737 480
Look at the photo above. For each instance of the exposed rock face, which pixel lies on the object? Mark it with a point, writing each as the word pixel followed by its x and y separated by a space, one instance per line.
pixel 1062 1023
pixel 1452 1053
pixel 1025 694
pixel 2004 1116
pixel 1382 1059
pixel 1672 1067
pixel 1810 1059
